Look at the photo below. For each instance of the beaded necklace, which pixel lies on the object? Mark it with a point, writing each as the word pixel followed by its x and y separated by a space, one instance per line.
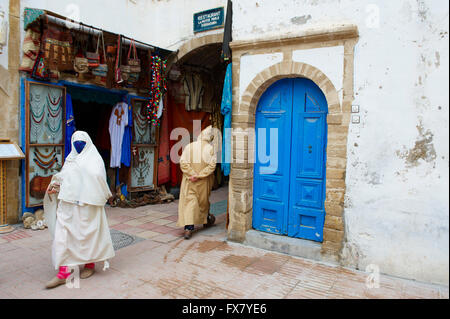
pixel 55 99
pixel 52 129
pixel 54 112
pixel 44 166
pixel 141 127
pixel 37 117
pixel 158 87
pixel 45 156
pixel 141 171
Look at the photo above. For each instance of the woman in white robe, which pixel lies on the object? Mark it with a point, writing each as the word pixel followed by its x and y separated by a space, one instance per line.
pixel 74 208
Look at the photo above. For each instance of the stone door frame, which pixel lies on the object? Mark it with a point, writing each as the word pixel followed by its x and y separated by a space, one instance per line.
pixel 338 119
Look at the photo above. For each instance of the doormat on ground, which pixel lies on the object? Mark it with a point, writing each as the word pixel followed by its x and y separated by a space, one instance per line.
pixel 218 208
pixel 121 240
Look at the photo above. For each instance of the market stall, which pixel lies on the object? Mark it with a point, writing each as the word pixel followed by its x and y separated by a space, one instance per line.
pixel 76 76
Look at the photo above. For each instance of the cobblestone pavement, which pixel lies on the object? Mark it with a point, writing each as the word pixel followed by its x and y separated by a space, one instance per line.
pixel 154 261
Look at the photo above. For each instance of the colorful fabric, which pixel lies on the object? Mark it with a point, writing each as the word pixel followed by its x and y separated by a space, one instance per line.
pixel 30 15
pixel 70 125
pixel 225 109
pixel 30 48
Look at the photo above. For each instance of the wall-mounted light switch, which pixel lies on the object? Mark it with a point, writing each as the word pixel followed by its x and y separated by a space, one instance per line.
pixel 355 119
pixel 355 108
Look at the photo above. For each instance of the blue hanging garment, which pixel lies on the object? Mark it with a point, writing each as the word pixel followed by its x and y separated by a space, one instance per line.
pixel 225 109
pixel 70 125
pixel 125 158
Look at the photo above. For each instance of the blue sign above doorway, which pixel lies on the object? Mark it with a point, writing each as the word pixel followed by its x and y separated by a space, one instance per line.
pixel 209 19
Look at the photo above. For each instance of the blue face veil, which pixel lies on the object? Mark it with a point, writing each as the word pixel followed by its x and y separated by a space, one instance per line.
pixel 79 146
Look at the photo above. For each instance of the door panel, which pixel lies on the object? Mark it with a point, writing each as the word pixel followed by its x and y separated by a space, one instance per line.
pixel 270 217
pixel 306 223
pixel 290 199
pixel 309 147
pixel 306 204
pixel 308 193
pixel 271 184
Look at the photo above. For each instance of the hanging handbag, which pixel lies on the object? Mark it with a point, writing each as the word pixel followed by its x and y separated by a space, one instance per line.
pixel 38 186
pixel 135 63
pixel 130 72
pixel 31 45
pixel 80 62
pixel 117 72
pixel 57 48
pixel 81 65
pixel 40 71
pixel 102 69
pixel 94 57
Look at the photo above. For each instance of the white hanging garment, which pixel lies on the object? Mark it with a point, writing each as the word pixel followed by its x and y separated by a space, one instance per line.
pixel 160 108
pixel 117 123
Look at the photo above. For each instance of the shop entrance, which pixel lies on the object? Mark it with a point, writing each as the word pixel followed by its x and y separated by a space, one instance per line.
pixel 195 94
pixel 289 193
pixel 91 111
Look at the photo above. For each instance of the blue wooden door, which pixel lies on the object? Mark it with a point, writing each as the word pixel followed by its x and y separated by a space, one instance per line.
pixel 270 191
pixel 290 199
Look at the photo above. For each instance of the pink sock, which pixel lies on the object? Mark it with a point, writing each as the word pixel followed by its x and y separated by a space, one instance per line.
pixel 63 272
pixel 90 265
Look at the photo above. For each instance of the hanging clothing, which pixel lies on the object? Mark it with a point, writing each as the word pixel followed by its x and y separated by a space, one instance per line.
pixel 225 109
pixel 117 123
pixel 164 151
pixel 126 143
pixel 193 88
pixel 76 214
pixel 198 159
pixel 227 33
pixel 160 108
pixel 70 125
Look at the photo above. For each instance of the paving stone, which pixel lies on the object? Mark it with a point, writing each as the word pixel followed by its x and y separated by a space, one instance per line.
pixel 162 221
pixel 134 222
pixel 148 234
pixel 157 262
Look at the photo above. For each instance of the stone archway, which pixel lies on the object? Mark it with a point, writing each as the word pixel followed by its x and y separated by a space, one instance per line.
pixel 241 183
pixel 196 43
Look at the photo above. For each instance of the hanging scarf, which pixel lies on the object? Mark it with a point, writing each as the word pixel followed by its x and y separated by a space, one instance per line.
pixel 225 109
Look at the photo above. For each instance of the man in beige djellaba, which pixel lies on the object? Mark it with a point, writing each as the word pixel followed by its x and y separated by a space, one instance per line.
pixel 197 162
pixel 74 209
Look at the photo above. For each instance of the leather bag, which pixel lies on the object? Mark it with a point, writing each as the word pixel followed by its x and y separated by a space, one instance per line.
pixel 38 186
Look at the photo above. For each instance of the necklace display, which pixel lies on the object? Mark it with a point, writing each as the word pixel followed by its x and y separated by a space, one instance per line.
pixel 54 120
pixel 37 111
pixel 141 127
pixel 142 169
pixel 45 161
pixel 46 156
pixel 45 114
